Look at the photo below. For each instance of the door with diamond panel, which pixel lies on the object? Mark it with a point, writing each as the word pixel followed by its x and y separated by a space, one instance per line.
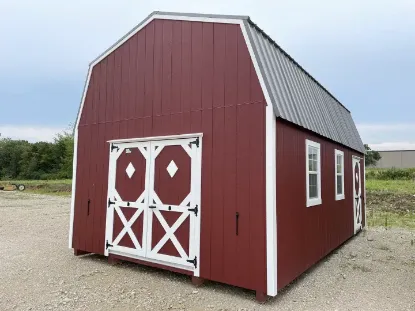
pixel 127 199
pixel 154 202
pixel 174 195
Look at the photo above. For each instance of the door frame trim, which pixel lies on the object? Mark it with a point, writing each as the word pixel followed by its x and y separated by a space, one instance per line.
pixel 159 262
pixel 360 181
pixel 155 138
pixel 196 184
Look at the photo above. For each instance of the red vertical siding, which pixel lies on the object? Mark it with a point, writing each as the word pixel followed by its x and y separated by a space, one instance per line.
pixel 306 234
pixel 177 77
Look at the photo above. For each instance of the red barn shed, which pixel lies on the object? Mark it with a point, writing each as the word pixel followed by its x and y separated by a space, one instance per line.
pixel 202 147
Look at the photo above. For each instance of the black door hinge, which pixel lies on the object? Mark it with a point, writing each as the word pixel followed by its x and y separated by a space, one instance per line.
pixel 113 147
pixel 195 210
pixel 108 245
pixel 193 261
pixel 89 202
pixel 195 142
pixel 110 202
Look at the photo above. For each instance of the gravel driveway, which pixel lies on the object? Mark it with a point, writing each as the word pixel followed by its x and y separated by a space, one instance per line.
pixel 374 271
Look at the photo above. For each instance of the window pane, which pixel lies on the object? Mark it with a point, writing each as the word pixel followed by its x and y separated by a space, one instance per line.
pixel 339 184
pixel 312 165
pixel 312 159
pixel 312 185
pixel 339 164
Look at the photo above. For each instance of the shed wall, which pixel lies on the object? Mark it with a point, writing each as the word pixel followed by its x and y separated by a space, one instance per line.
pixel 178 77
pixel 307 234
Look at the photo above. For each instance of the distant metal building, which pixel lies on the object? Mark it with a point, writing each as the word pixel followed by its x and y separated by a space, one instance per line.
pixel 202 147
pixel 396 158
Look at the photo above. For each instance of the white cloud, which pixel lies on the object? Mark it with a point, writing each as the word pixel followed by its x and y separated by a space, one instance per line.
pixel 30 133
pixel 400 136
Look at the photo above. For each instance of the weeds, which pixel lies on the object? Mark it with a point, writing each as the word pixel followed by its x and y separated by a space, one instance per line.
pixel 391 174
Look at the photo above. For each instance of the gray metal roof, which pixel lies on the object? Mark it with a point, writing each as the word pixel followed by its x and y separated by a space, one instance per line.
pixel 297 97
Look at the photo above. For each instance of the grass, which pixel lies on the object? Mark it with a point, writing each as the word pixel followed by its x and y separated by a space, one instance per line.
pixel 390 203
pixel 396 186
pixel 391 220
pixel 53 187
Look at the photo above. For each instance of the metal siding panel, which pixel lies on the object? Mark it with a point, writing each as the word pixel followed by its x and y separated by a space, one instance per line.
pixel 310 108
pixel 167 37
pixel 293 89
pixel 281 88
pixel 197 68
pixel 219 56
pixel 308 105
pixel 315 104
pixel 323 227
pixel 348 137
pixel 329 114
pixel 259 52
pixel 254 37
pixel 273 74
pixel 305 98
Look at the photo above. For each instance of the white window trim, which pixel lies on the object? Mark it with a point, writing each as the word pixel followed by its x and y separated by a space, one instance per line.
pixel 313 201
pixel 336 153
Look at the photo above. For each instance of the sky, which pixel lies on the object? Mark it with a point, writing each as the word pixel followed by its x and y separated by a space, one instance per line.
pixel 362 51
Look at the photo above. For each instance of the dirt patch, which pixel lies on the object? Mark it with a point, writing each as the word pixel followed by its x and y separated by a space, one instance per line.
pixel 388 201
pixel 373 271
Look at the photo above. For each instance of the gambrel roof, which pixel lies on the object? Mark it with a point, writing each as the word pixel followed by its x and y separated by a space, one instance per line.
pixel 295 95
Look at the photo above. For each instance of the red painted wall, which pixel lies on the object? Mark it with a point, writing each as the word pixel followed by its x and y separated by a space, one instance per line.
pixel 177 77
pixel 306 234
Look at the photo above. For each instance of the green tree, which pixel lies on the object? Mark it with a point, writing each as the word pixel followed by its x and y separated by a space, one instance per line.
pixel 10 156
pixel 64 143
pixel 372 157
pixel 20 159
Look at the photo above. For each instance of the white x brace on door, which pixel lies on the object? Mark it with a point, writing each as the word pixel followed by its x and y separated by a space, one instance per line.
pixel 153 207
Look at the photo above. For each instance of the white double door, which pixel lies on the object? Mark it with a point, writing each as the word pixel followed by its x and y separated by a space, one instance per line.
pixel 153 204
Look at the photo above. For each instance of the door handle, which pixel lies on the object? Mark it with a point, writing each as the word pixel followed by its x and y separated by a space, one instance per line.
pixel 237 223
pixel 152 206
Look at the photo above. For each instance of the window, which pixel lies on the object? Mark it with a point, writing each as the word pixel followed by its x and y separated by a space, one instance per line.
pixel 339 178
pixel 313 167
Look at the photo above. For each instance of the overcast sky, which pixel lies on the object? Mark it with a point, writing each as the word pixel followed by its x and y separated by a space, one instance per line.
pixel 362 51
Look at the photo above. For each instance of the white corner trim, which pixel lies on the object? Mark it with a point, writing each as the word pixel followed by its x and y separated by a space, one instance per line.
pixel 75 157
pixel 342 195
pixel 271 175
pixel 318 200
pixel 153 138
pixel 74 164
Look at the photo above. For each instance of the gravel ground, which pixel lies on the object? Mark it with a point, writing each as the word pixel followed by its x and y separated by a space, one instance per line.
pixel 374 271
